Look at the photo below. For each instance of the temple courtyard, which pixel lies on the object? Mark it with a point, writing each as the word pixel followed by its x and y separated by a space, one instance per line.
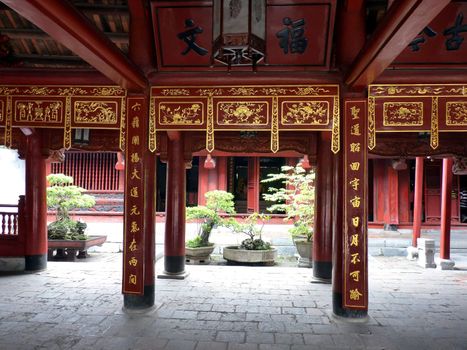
pixel 78 305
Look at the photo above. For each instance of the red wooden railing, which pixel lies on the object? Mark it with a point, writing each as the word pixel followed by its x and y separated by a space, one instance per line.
pixel 94 171
pixel 12 228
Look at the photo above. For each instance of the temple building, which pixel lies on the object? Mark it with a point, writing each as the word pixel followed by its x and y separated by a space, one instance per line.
pixel 372 94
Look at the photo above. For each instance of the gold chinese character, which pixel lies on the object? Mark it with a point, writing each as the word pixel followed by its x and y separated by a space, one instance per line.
pixel 354 183
pixel 135 123
pixel 134 192
pixel 133 261
pixel 355 275
pixel 134 210
pixel 354 240
pixel 355 258
pixel 355 111
pixel 135 140
pixel 355 147
pixel 133 246
pixel 135 174
pixel 355 201
pixel 132 279
pixel 355 221
pixel 134 227
pixel 135 157
pixel 355 294
pixel 355 130
pixel 355 166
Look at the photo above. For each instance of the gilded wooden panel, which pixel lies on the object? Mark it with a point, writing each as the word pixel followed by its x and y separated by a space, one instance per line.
pixel 456 113
pixel 95 112
pixel 253 113
pixel 38 111
pixel 2 111
pixel 181 113
pixel 402 113
pixel 305 113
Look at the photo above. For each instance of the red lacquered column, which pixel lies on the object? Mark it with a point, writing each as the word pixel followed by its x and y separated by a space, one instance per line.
pixel 445 239
pixel 174 248
pixel 36 205
pixel 417 205
pixel 322 236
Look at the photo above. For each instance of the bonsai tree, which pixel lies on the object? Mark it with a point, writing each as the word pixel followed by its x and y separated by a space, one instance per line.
pixel 295 199
pixel 217 203
pixel 252 227
pixel 63 196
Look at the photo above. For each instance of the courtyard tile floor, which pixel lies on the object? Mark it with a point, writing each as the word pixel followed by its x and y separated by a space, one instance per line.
pixel 79 306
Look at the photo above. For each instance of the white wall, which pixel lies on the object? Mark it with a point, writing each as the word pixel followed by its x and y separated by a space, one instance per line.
pixel 12 176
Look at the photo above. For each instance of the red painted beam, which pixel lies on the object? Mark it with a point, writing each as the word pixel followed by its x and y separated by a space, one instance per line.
pixel 141 50
pixel 64 23
pixel 404 20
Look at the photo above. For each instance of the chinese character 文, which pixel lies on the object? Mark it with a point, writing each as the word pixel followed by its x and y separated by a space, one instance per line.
pixel 355 275
pixel 455 41
pixel 292 37
pixel 420 39
pixel 355 201
pixel 134 192
pixel 354 183
pixel 189 37
pixel 133 246
pixel 134 210
pixel 135 140
pixel 355 147
pixel 133 261
pixel 354 240
pixel 355 166
pixel 132 279
pixel 135 123
pixel 355 258
pixel 355 294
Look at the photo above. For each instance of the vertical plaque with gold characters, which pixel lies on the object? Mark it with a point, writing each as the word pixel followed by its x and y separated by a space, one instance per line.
pixel 355 205
pixel 133 254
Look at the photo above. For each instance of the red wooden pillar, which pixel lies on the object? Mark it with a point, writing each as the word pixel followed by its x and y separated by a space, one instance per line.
pixel 174 246
pixel 202 181
pixel 253 185
pixel 36 205
pixel 322 236
pixel 418 196
pixel 221 166
pixel 139 213
pixel 391 215
pixel 350 275
pixel 445 239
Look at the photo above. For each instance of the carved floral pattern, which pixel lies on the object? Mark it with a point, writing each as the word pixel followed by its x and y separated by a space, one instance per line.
pixel 95 112
pixel 180 113
pixel 305 113
pixel 403 113
pixel 456 113
pixel 242 113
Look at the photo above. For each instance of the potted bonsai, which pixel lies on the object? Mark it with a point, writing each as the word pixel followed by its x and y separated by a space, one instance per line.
pixel 252 249
pixel 63 196
pixel 210 217
pixel 295 199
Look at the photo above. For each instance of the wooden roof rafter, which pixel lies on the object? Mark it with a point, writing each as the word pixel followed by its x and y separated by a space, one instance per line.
pixel 68 26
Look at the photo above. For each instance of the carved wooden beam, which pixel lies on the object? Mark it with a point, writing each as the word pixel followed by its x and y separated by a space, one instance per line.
pixel 404 20
pixel 68 26
pixel 141 50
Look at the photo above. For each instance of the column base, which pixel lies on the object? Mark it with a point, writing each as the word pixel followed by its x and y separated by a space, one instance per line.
pixel 412 253
pixel 140 302
pixel 35 262
pixel 322 270
pixel 174 264
pixel 446 264
pixel 348 315
pixel 173 276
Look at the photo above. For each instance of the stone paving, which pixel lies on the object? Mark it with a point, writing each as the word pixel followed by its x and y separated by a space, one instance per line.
pixel 218 307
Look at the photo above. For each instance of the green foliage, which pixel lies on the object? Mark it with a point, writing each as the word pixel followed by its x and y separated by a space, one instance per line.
pixel 253 228
pixel 217 203
pixel 63 196
pixel 296 199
